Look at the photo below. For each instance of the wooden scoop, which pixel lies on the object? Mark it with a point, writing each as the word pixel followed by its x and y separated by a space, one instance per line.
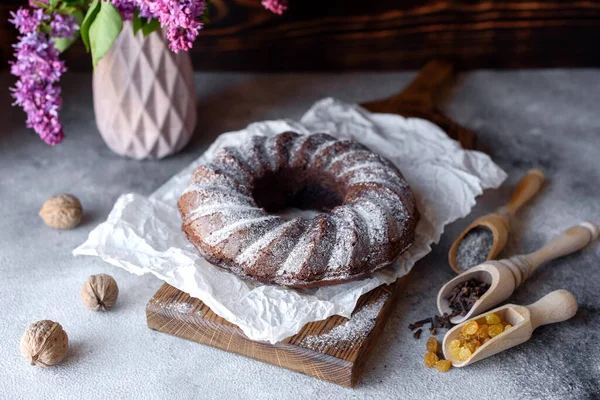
pixel 505 276
pixel 557 306
pixel 499 221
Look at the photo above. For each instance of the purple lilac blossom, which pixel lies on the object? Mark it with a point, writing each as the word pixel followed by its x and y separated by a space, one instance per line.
pixel 38 68
pixel 178 17
pixel 63 26
pixel 126 8
pixel 27 20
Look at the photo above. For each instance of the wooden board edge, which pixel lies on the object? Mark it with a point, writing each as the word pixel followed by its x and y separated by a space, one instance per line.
pixel 229 337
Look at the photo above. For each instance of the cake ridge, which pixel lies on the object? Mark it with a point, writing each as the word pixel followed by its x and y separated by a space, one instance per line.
pixel 253 251
pixel 219 235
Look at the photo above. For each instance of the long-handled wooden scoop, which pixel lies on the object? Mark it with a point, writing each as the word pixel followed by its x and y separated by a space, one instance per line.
pixel 556 306
pixel 498 222
pixel 505 276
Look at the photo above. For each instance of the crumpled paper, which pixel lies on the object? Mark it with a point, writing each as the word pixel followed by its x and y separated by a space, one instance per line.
pixel 143 234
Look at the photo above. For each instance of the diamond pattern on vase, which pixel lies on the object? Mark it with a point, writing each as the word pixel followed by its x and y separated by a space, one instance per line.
pixel 144 96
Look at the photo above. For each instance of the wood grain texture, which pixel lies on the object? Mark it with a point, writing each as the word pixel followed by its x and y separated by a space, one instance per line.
pixel 175 312
pixel 557 306
pixel 504 276
pixel 390 35
pixel 499 221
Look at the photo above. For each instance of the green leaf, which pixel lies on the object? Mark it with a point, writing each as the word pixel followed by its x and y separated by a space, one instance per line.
pixel 89 18
pixel 104 31
pixel 83 3
pixel 150 27
pixel 137 22
pixel 40 4
pixel 206 16
pixel 62 44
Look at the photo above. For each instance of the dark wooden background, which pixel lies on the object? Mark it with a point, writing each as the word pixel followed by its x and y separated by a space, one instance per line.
pixel 383 35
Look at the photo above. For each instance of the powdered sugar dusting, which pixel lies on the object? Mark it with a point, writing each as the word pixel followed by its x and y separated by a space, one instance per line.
pixel 375 220
pixel 226 208
pixel 321 149
pixel 350 332
pixel 298 256
pixel 347 234
pixel 295 149
pixel 249 255
pixel 180 308
pixel 359 166
pixel 222 234
pixel 343 156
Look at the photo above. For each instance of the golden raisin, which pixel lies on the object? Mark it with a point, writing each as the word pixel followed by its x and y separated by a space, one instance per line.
pixel 470 328
pixel 455 353
pixel 482 333
pixel 464 354
pixel 454 344
pixel 492 319
pixel 432 345
pixel 461 337
pixel 495 330
pixel 507 327
pixel 443 365
pixel 430 359
pixel 472 345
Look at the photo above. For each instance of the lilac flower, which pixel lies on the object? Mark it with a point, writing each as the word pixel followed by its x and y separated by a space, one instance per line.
pixel 37 59
pixel 38 68
pixel 179 17
pixel 275 6
pixel 27 20
pixel 63 26
pixel 126 8
pixel 42 103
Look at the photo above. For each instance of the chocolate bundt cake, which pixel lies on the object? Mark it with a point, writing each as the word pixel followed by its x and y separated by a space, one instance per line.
pixel 368 213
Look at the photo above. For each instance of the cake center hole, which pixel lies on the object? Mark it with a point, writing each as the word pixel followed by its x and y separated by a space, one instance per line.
pixel 289 188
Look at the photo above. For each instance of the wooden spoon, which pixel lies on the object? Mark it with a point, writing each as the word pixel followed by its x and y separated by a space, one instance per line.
pixel 556 306
pixel 505 276
pixel 499 221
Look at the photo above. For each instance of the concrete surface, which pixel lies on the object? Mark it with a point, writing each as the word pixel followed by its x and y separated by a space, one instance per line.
pixel 547 119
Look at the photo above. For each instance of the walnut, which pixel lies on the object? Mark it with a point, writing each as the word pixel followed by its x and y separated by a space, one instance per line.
pixel 100 292
pixel 44 343
pixel 62 211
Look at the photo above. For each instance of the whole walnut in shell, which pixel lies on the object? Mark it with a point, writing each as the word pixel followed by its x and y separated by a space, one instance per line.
pixel 100 292
pixel 63 211
pixel 45 343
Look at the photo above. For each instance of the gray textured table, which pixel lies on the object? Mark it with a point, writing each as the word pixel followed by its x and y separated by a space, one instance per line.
pixel 546 119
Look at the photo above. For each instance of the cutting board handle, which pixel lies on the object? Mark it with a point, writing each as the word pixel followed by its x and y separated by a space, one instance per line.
pixel 419 99
pixel 427 87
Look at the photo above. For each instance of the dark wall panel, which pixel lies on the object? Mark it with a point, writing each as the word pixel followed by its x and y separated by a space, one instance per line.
pixel 385 35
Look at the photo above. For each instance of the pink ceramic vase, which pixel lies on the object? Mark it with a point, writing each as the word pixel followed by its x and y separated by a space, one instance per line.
pixel 144 96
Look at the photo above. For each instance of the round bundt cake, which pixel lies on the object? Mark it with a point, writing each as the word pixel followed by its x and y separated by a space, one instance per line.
pixel 368 212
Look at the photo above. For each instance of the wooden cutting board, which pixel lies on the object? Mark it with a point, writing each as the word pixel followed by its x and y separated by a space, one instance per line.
pixel 334 349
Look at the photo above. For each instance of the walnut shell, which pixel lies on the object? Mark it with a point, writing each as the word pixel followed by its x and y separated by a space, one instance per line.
pixel 63 211
pixel 100 292
pixel 44 343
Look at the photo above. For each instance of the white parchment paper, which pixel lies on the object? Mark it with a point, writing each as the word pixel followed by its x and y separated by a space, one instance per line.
pixel 143 234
